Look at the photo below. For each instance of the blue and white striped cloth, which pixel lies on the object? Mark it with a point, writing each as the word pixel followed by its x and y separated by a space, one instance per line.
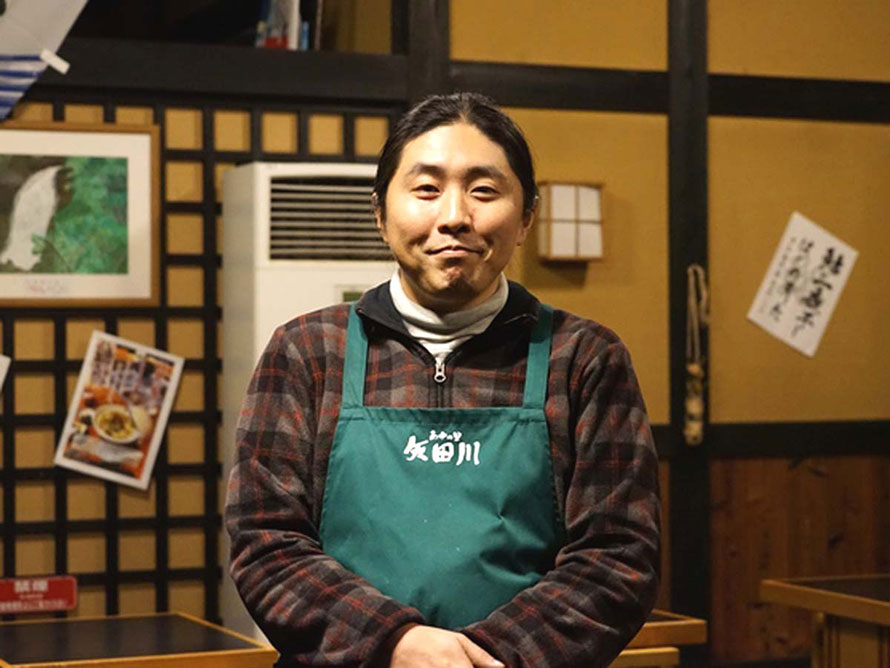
pixel 17 73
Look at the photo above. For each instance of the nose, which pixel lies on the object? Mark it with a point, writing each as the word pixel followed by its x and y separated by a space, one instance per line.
pixel 454 216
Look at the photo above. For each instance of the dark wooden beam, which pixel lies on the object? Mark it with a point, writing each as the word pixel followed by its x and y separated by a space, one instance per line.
pixel 551 87
pixel 428 48
pixel 796 440
pixel 688 243
pixel 102 65
pixel 813 99
pixel 398 22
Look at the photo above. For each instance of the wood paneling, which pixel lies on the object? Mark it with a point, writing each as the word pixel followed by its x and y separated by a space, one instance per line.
pixel 325 134
pixel 34 393
pixel 850 643
pixel 77 335
pixel 370 135
pixel 626 290
pixel 140 330
pixel 183 128
pixel 35 339
pixel 231 131
pixel 35 447
pixel 816 38
pixel 279 132
pixel 630 34
pixel 835 174
pixel 776 518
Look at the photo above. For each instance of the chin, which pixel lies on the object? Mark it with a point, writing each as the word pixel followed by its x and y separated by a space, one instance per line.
pixel 456 282
pixel 453 295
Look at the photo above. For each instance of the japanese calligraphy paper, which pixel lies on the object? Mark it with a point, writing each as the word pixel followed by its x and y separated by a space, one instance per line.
pixel 803 284
pixel 4 367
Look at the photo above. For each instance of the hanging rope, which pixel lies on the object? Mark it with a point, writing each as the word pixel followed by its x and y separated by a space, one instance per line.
pixel 696 320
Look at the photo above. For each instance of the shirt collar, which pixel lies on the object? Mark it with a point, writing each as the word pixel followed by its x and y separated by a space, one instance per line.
pixel 376 305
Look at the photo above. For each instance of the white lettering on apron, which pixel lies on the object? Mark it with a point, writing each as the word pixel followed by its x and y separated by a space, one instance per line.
pixel 443 448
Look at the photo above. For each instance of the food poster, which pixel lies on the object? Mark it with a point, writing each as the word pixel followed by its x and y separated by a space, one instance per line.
pixel 119 411
pixel 803 284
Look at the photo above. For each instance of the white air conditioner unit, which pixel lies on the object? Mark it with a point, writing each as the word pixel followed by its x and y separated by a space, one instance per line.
pixel 296 237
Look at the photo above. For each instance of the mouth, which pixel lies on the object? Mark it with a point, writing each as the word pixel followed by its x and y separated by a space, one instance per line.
pixel 454 249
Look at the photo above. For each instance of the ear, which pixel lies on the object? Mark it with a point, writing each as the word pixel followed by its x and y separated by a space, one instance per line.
pixel 378 217
pixel 527 221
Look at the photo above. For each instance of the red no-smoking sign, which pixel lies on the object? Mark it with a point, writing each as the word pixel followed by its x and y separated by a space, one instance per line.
pixel 40 594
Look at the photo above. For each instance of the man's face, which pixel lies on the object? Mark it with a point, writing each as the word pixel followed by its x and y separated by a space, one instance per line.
pixel 453 217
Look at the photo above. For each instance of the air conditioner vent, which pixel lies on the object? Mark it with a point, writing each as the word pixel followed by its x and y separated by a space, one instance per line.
pixel 323 218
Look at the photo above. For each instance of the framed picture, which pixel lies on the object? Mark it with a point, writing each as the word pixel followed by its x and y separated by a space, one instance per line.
pixel 78 215
pixel 119 410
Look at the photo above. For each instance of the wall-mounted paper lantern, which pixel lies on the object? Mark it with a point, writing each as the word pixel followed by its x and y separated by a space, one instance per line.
pixel 569 221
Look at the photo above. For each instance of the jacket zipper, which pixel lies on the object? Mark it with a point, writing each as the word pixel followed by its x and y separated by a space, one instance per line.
pixel 439 375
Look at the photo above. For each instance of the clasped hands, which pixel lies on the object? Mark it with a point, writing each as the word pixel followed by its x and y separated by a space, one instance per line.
pixel 419 646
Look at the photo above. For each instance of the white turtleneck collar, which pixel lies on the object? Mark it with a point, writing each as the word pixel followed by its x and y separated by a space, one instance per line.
pixel 440 334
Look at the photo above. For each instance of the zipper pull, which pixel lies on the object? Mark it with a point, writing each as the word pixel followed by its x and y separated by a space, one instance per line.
pixel 440 372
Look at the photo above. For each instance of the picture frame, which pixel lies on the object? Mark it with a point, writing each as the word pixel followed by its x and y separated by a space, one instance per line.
pixel 79 215
pixel 119 410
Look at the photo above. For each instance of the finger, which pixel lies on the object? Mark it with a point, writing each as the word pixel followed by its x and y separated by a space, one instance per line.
pixel 479 657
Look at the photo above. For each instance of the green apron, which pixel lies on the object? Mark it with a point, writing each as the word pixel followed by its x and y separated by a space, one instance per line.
pixel 450 510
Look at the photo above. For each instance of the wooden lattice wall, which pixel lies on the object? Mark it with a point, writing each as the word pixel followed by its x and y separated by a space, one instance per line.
pixel 136 551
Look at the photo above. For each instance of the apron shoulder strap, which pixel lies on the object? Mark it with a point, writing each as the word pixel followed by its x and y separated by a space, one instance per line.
pixel 354 363
pixel 538 360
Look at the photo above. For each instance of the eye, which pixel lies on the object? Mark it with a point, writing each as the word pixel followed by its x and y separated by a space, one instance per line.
pixel 484 192
pixel 425 190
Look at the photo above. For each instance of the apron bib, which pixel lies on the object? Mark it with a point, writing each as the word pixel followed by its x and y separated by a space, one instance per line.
pixel 449 510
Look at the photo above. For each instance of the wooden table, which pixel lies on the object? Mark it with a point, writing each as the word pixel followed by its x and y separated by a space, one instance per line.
pixel 851 620
pixel 167 640
pixel 177 640
pixel 655 646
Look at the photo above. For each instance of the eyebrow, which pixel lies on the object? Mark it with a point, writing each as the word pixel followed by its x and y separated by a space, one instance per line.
pixel 473 172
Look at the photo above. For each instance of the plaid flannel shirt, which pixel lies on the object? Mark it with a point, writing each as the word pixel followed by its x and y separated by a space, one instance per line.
pixel 604 580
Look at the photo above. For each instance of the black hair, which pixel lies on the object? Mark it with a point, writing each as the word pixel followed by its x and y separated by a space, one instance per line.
pixel 473 108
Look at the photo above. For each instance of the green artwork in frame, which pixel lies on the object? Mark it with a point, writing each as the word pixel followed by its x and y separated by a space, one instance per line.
pixel 63 215
pixel 78 214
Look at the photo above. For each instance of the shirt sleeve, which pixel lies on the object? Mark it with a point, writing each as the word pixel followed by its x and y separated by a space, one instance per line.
pixel 604 583
pixel 310 607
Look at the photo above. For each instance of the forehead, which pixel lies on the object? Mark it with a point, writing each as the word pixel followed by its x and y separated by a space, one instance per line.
pixel 456 146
